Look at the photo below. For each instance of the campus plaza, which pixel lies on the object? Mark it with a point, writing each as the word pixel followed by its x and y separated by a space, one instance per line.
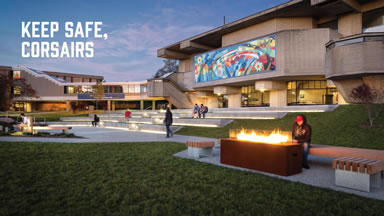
pixel 265 66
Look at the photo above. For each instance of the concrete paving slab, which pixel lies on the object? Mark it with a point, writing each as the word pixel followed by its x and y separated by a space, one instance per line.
pixel 100 134
pixel 321 173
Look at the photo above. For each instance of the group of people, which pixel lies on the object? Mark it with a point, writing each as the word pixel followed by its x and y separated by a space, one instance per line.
pixel 199 111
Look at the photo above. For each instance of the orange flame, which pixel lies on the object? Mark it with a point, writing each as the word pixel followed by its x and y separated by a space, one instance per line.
pixel 271 137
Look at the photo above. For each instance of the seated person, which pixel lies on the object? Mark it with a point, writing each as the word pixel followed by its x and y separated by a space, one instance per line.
pixel 95 121
pixel 24 122
pixel 127 114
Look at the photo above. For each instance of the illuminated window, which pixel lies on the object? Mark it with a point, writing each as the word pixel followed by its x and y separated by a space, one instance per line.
pixel 17 90
pixel 16 75
pixel 86 89
pixel 70 90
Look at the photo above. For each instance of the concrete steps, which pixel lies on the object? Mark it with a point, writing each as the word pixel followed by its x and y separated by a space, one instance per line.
pixel 154 121
pixel 119 125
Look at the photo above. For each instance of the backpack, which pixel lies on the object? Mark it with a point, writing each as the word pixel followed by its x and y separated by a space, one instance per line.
pixel 206 109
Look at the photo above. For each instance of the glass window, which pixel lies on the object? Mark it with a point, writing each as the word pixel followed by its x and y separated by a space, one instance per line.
pixel 86 89
pixel 137 88
pixel 16 75
pixel 17 90
pixel 90 79
pixel 71 79
pixel 65 78
pixel 372 19
pixel 131 89
pixel 323 84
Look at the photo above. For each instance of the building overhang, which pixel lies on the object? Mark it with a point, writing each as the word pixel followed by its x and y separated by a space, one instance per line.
pixel 295 8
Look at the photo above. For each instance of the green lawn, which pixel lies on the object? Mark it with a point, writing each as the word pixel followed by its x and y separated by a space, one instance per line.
pixel 145 179
pixel 340 127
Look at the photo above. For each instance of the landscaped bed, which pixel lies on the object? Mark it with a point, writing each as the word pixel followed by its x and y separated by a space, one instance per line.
pixel 345 126
pixel 145 179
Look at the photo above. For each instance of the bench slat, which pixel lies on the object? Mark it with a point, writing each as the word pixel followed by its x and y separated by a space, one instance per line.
pixel 376 167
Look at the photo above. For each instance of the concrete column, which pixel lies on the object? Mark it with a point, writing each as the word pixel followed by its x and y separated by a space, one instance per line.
pixel 350 24
pixel 153 105
pixel 278 98
pixel 109 105
pixel 113 105
pixel 212 102
pixel 68 106
pixel 234 100
pixel 141 105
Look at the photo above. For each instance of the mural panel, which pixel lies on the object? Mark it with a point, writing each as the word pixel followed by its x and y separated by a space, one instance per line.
pixel 243 59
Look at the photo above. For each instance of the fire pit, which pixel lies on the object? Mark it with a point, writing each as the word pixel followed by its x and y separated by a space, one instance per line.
pixel 267 151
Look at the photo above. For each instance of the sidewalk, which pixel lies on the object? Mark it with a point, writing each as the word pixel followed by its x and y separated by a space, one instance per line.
pixel 99 134
pixel 321 174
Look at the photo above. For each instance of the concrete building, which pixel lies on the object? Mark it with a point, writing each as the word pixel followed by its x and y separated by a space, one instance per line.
pixel 297 53
pixel 66 91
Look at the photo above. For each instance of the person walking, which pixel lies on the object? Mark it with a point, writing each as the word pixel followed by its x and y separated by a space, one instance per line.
pixel 168 122
pixel 301 133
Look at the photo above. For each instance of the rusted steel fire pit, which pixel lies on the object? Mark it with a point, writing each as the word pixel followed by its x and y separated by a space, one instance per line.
pixel 267 151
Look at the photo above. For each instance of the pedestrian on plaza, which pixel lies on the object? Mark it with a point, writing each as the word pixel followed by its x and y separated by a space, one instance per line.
pixel 168 122
pixel 95 121
pixel 301 133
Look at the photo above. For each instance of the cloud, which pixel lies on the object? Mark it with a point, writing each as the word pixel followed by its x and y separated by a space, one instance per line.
pixel 129 53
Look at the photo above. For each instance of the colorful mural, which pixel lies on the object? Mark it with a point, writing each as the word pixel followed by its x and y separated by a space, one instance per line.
pixel 247 58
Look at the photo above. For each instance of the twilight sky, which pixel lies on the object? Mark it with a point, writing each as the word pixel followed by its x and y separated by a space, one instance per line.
pixel 136 29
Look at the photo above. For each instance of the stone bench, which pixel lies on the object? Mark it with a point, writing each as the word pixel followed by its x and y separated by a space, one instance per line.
pixel 358 173
pixel 197 149
pixel 35 129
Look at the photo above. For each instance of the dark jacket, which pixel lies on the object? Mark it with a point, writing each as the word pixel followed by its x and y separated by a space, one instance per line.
pixel 168 118
pixel 96 118
pixel 302 134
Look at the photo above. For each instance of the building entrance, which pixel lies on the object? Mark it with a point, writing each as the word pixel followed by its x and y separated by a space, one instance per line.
pixel 250 97
pixel 311 92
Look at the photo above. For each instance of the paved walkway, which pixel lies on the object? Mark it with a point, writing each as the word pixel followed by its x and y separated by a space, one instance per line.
pixel 92 134
pixel 321 174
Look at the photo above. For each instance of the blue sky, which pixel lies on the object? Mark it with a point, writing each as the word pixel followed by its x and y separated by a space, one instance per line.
pixel 136 29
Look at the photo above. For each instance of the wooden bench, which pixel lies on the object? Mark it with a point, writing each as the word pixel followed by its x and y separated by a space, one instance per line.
pixel 358 173
pixel 199 149
pixel 339 152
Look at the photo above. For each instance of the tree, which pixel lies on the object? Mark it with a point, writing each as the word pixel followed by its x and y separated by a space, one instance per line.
pixel 370 98
pixel 170 66
pixel 98 94
pixel 10 86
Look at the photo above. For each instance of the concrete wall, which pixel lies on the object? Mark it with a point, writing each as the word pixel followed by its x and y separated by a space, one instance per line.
pixel 234 100
pixel 186 65
pixel 265 28
pixel 350 24
pixel 184 80
pixel 43 86
pixel 298 53
pixel 355 58
pixel 278 98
